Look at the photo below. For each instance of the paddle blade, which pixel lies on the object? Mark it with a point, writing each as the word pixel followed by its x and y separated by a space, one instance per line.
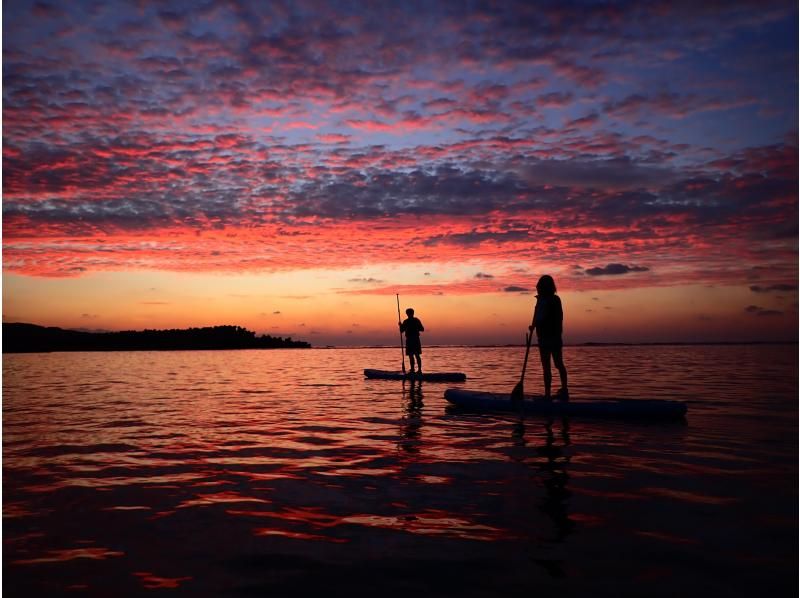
pixel 518 393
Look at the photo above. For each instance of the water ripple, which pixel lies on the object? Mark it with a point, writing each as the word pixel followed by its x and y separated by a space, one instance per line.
pixel 195 470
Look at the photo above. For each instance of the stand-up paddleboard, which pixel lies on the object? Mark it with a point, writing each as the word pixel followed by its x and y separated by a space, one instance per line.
pixel 426 376
pixel 473 400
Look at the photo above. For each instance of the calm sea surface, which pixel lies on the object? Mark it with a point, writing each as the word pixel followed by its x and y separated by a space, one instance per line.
pixel 286 473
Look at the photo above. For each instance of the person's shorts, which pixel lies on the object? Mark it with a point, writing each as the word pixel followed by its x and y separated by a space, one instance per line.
pixel 413 346
pixel 550 343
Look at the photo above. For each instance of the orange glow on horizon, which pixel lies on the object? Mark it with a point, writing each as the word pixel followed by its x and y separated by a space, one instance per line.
pixel 330 307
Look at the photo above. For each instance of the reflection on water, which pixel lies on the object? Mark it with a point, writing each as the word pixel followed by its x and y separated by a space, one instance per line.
pixel 554 466
pixel 411 420
pixel 287 473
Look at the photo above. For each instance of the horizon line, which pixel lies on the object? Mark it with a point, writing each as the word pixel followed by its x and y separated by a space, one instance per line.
pixel 454 345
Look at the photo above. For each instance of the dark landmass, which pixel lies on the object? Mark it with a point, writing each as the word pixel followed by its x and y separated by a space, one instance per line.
pixel 30 338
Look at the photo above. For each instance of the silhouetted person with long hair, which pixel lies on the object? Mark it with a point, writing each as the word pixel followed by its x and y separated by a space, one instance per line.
pixel 548 321
pixel 412 327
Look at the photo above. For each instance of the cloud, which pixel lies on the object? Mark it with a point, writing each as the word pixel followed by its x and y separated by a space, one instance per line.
pixel 516 289
pixel 773 288
pixel 473 238
pixel 369 280
pixel 584 122
pixel 603 173
pixel 614 270
pixel 760 311
pixel 554 100
pixel 334 138
pixel 672 105
pixel 271 136
pixel 484 276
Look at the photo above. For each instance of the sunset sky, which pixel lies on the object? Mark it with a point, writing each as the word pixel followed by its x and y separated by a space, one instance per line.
pixel 291 166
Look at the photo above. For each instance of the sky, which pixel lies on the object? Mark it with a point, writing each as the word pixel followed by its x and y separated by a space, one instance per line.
pixel 292 167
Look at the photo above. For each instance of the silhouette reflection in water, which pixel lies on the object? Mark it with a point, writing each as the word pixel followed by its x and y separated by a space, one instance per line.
pixel 554 466
pixel 552 460
pixel 411 421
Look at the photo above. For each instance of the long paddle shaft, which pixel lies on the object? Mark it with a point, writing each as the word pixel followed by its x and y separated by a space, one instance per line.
pixel 402 353
pixel 519 392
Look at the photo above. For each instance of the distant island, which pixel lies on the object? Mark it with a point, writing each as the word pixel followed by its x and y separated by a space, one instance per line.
pixel 30 338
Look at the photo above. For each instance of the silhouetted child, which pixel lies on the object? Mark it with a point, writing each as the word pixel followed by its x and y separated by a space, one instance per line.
pixel 548 318
pixel 412 327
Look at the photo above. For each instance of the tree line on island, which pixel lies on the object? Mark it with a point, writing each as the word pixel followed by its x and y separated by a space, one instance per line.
pixel 31 338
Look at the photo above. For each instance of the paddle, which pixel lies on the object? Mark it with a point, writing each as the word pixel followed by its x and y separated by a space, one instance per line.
pixel 518 393
pixel 402 353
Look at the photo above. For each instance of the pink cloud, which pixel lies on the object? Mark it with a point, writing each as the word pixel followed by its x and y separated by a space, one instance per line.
pixel 300 125
pixel 334 138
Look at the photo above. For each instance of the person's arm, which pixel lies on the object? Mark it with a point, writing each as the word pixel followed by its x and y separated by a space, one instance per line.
pixel 421 327
pixel 536 316
pixel 402 326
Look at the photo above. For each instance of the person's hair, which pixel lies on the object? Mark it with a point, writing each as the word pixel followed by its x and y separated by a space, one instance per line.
pixel 410 311
pixel 546 285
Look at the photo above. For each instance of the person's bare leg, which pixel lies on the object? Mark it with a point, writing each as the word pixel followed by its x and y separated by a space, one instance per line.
pixel 544 354
pixel 562 371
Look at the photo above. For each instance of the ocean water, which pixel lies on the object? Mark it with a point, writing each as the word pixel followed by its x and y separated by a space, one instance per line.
pixel 286 473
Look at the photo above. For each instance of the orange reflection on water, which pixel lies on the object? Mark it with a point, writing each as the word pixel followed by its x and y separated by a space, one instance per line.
pixel 432 523
pixel 152 582
pixel 220 497
pixel 312 515
pixel 154 481
pixel 693 497
pixel 12 510
pixel 586 519
pixel 309 517
pixel 210 483
pixel 356 472
pixel 434 479
pixel 58 556
pixel 269 477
